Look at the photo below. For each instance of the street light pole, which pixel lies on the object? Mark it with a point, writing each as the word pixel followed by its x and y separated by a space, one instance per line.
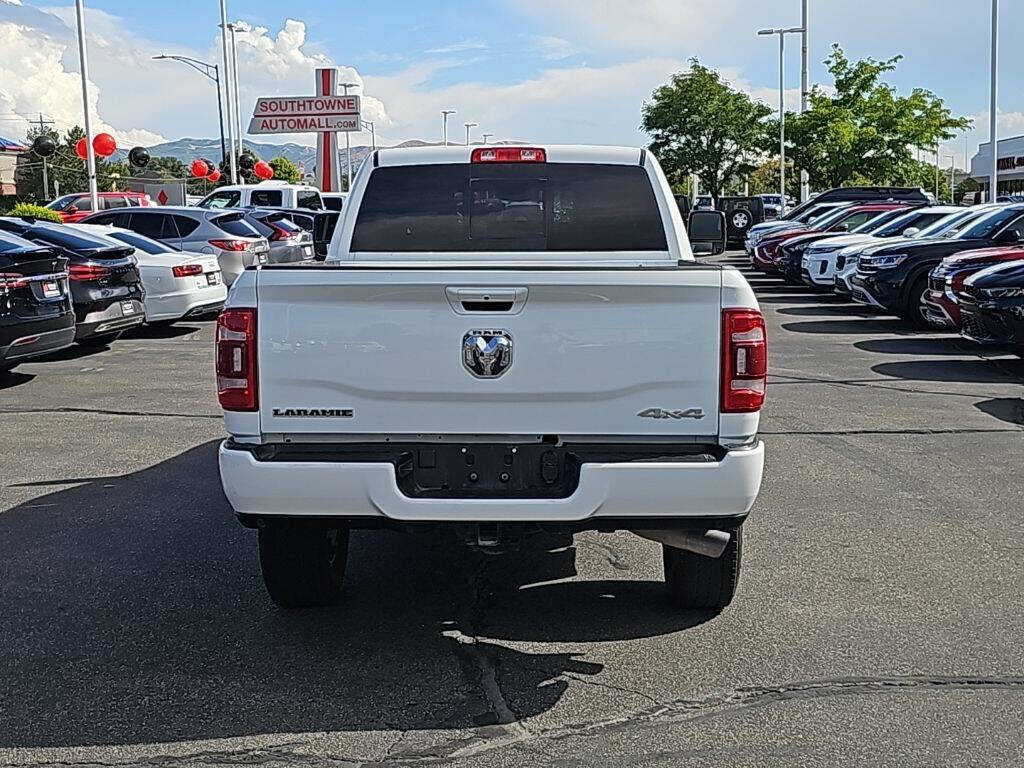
pixel 238 101
pixel 373 133
pixel 468 127
pixel 782 103
pixel 444 124
pixel 952 176
pixel 487 137
pixel 232 157
pixel 994 105
pixel 805 182
pixel 205 68
pixel 348 142
pixel 83 63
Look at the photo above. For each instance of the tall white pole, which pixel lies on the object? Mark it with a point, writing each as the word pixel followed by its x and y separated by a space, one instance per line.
pixel 83 63
pixel 805 182
pixel 444 124
pixel 348 143
pixel 238 101
pixel 994 105
pixel 233 165
pixel 782 117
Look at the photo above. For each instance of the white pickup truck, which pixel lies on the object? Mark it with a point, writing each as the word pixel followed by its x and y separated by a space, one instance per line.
pixel 504 339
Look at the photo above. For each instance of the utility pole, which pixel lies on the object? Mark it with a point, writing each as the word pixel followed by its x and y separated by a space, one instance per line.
pixel 444 124
pixel 805 184
pixel 46 179
pixel 83 62
pixel 993 113
pixel 373 133
pixel 233 166
pixel 468 127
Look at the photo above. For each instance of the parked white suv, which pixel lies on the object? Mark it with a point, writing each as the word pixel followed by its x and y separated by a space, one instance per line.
pixel 502 339
pixel 266 194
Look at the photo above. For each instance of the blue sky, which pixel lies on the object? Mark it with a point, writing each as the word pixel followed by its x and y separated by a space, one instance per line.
pixel 572 70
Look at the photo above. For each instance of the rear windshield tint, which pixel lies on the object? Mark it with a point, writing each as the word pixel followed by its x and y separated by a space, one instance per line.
pixel 64 239
pixel 529 207
pixel 238 227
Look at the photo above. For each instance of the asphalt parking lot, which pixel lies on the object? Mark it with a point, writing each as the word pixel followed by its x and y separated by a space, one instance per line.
pixel 879 617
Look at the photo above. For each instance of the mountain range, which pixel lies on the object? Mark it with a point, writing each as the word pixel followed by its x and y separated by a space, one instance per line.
pixel 188 149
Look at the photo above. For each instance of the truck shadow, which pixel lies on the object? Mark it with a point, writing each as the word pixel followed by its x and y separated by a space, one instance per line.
pixel 134 613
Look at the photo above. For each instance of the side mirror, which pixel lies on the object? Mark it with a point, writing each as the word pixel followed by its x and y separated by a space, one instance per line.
pixel 1008 236
pixel 842 228
pixel 911 231
pixel 72 209
pixel 707 232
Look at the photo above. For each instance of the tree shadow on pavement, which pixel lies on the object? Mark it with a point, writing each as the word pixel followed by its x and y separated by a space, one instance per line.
pixel 967 371
pixel 851 327
pixel 133 612
pixel 1008 409
pixel 917 345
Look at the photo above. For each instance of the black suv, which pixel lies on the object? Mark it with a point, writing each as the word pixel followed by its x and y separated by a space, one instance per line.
pixel 741 213
pixel 36 316
pixel 894 277
pixel 992 306
pixel 106 288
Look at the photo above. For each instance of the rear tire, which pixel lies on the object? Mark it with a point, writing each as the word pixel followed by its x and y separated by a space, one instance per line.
pixel 303 567
pixel 101 340
pixel 914 310
pixel 705 583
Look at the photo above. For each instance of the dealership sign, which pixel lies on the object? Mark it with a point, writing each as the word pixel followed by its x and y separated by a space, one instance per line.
pixel 305 114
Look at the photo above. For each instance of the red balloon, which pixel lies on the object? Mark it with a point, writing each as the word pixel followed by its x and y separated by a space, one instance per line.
pixel 263 170
pixel 200 169
pixel 214 177
pixel 82 149
pixel 103 144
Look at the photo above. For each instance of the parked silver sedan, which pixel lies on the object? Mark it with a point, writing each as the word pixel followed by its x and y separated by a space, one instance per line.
pixel 289 242
pixel 224 234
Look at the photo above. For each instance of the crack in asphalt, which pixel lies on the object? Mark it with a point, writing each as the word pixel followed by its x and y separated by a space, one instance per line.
pixel 112 412
pixel 883 432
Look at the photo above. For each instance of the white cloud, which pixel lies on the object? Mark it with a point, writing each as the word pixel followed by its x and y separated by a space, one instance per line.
pixel 555 48
pixel 460 47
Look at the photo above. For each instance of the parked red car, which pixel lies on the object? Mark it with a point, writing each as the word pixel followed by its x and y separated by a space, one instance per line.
pixel 942 307
pixel 845 219
pixel 76 207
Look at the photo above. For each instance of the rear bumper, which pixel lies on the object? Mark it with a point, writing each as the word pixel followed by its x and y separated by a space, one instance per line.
pixel 27 344
pixel 191 303
pixel 111 319
pixel 613 490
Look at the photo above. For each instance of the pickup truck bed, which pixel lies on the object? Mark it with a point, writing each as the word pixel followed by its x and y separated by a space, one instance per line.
pixel 496 390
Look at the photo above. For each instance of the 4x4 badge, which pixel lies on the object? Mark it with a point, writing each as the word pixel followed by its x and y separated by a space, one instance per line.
pixel 661 413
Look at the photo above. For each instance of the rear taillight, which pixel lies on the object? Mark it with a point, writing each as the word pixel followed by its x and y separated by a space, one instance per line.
pixel 11 280
pixel 187 270
pixel 230 245
pixel 236 360
pixel 279 233
pixel 509 155
pixel 744 360
pixel 85 272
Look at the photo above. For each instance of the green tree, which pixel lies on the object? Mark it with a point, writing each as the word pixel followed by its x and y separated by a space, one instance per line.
pixel 64 167
pixel 864 128
pixel 700 124
pixel 285 170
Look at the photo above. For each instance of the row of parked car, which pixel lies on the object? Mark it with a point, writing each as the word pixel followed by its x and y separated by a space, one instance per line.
pixel 935 266
pixel 92 280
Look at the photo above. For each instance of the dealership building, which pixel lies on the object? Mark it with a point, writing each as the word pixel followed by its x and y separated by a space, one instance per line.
pixel 1011 165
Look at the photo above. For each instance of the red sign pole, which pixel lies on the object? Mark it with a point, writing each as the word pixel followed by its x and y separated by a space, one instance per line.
pixel 328 176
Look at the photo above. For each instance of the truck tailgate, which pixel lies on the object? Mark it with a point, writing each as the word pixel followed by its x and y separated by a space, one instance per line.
pixel 381 351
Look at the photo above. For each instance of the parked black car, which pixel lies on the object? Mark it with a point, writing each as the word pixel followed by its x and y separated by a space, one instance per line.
pixel 106 288
pixel 894 277
pixel 320 223
pixel 992 306
pixel 36 316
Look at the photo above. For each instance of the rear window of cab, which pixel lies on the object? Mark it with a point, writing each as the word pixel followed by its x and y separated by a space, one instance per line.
pixel 509 207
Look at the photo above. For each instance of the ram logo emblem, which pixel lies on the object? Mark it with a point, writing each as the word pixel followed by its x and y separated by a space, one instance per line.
pixel 487 354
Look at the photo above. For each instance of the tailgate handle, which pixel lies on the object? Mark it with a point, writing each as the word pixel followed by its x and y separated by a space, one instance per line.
pixel 472 301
